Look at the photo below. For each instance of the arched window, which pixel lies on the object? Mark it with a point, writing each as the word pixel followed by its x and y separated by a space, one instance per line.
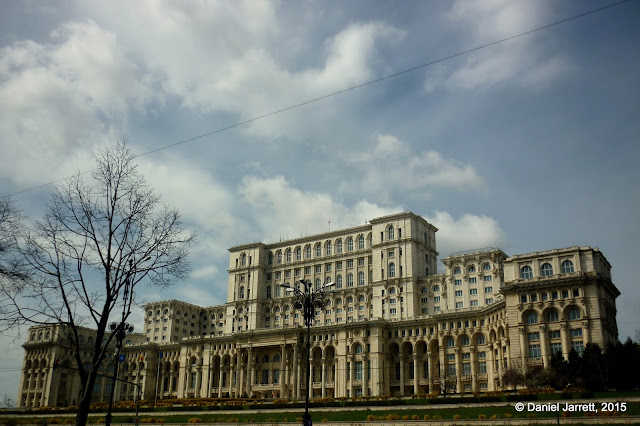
pixel 278 291
pixel 349 244
pixel 350 299
pixel 532 318
pixel 339 246
pixel 361 278
pixel 279 256
pixel 308 252
pixel 423 290
pixel 350 280
pixel 270 258
pixel 481 340
pixel 361 242
pixel 574 314
pixel 165 312
pixel 370 240
pixel 339 281
pixel 450 342
pixel 318 250
pixel 392 270
pixel 298 253
pixel 357 348
pixel 567 267
pixel 265 359
pixel 436 288
pixel 464 340
pixel 547 270
pixel 268 292
pixel 361 298
pixel 241 292
pixel 339 302
pixel 552 316
pixel 486 267
pixel 471 269
pixel 288 255
pixel 457 271
pixel 526 272
pixel 390 232
pixel 276 358
pixel 327 249
pixel 267 310
pixel 392 290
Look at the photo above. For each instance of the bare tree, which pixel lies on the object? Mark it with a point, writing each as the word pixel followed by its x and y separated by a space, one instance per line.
pixel 7 401
pixel 11 227
pixel 513 376
pixel 96 241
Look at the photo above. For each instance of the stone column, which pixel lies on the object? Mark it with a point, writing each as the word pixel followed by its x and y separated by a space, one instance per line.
pixel 566 342
pixel 586 332
pixel 430 370
pixel 491 385
pixel 401 357
pixel 298 376
pixel 352 376
pixel 544 345
pixel 416 377
pixel 458 370
pixel 474 369
pixel 501 361
pixel 238 370
pixel 310 378
pixel 243 367
pixel 198 380
pixel 250 372
pixel 232 367
pixel 283 371
pixel 220 380
pixel 323 378
pixel 386 374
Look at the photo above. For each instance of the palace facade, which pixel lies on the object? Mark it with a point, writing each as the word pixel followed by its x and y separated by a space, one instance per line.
pixel 392 324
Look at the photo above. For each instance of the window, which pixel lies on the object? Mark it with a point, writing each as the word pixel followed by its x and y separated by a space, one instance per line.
pixel 241 292
pixel 556 348
pixel 307 252
pixel 349 280
pixel 361 261
pixel 350 263
pixel 392 253
pixel 268 292
pixel 474 303
pixel 436 309
pixel 482 369
pixel 327 249
pixel 459 305
pixel 486 278
pixel 392 270
pixel 392 310
pixel 339 246
pixel 578 347
pixel 339 281
pixel 436 299
pixel 488 289
pixel 327 267
pixel 424 300
pixel 486 267
pixel 552 316
pixel 297 272
pixel 481 340
pixel 466 370
pixel 576 332
pixel 567 267
pixel 288 255
pixel 298 253
pixel 471 269
pixel 554 334
pixel 338 265
pixel 546 270
pixel 473 291
pixel 457 271
pixel 574 314
pixel 472 280
pixel 457 282
pixel 535 351
pixel 534 336
pixel 526 272
pixel 436 288
pixel 361 278
pixel 361 242
pixel 390 232
pixel 464 341
pixel 349 244
pixel 532 318
pixel 458 293
pixel 318 250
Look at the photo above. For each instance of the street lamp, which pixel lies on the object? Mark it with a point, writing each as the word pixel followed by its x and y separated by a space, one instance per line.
pixel 121 329
pixel 307 301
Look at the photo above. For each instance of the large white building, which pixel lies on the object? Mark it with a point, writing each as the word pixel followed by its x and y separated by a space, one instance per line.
pixel 392 326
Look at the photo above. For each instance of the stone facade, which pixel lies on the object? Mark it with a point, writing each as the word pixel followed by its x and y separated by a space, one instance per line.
pixel 392 326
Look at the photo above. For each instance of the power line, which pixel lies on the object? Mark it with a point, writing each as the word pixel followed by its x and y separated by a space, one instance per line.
pixel 358 86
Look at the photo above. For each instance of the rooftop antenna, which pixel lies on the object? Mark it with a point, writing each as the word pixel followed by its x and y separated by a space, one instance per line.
pixel 329 225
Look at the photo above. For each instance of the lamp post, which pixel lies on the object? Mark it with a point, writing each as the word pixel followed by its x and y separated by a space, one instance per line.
pixel 120 329
pixel 307 301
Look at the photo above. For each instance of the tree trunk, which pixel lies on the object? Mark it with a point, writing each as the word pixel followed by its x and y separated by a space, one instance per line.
pixel 83 409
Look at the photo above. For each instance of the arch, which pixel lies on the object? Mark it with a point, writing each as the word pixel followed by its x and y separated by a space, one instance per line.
pixel 329 352
pixel 243 259
pixel 362 298
pixel 424 290
pixel 406 348
pixel 392 270
pixel 486 266
pixel 567 267
pixel 370 239
pixel 27 364
pixel 471 269
pixel 287 255
pixel 530 317
pixel 360 242
pixel 276 358
pixel 492 336
pixel 526 272
pixel 546 270
pixel 500 332
pixel 390 232
pixel 349 244
pixel 572 313
pixel 356 348
pixel 339 301
pixel 449 342
pixel 307 251
pixel 350 299
pixel 279 256
pixel 339 246
pixel 457 270
pixel 479 338
pixel 420 347
pixel 298 252
pixel 551 315
pixel 464 340
pixel 318 249
pixel 328 248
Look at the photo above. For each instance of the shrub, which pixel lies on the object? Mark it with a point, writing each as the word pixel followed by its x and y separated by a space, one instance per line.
pixel 405 417
pixel 54 421
pixel 101 421
pixel 482 416
pixel 426 417
pixel 457 417
pixel 392 417
pixel 233 420
pixel 68 422
pixel 194 420
pixel 415 417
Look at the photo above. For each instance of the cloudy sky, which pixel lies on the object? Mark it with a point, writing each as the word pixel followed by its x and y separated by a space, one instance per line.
pixel 528 145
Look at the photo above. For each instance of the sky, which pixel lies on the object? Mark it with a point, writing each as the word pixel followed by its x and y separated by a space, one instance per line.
pixel 527 145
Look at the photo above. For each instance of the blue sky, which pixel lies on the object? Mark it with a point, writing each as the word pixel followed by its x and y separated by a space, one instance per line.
pixel 527 145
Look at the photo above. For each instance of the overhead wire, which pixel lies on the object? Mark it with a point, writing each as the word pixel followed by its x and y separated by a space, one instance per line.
pixel 358 86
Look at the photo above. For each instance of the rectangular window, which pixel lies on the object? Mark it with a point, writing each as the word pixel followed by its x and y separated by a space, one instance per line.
pixel 278 275
pixel 473 291
pixel 287 273
pixel 459 305
pixel 544 297
pixel 451 369
pixel 307 270
pixel 554 334
pixel 556 348
pixel 436 299
pixel 554 295
pixel 458 293
pixel 269 276
pixel 486 278
pixel 534 336
pixel 472 280
pixel 361 261
pixel 436 309
pixel 466 368
pixel 392 310
pixel 488 301
pixel 458 282
pixel 297 272
pixel 474 303
pixel 482 367
pixel 578 347
pixel 350 263
pixel 318 269
pixel 424 300
pixel 327 267
pixel 488 289
pixel 338 265
pixel 534 351
pixel 576 332
pixel 392 253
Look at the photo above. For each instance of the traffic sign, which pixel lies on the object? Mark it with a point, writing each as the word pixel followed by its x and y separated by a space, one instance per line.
pixel 121 358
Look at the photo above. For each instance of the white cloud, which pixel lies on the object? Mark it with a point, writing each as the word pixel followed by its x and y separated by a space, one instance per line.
pixel 467 232
pixel 392 164
pixel 59 101
pixel 521 61
pixel 283 211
